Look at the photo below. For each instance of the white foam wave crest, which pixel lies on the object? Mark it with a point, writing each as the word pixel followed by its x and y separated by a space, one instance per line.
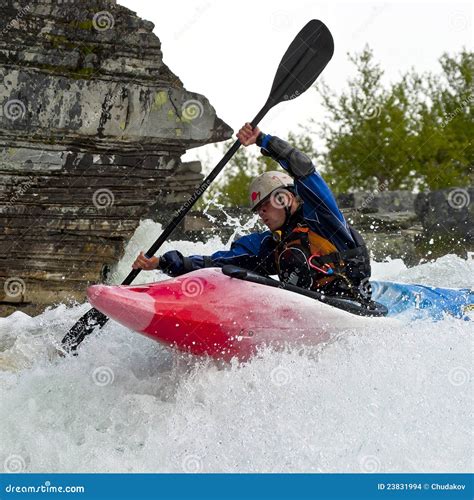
pixel 373 401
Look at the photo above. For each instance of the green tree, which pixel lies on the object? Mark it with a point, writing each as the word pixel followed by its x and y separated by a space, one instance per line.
pixel 413 134
pixel 446 128
pixel 368 136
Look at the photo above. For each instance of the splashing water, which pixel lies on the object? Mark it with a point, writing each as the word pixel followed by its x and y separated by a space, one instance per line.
pixel 380 401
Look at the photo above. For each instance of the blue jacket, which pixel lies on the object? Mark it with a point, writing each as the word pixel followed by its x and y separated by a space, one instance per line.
pixel 255 251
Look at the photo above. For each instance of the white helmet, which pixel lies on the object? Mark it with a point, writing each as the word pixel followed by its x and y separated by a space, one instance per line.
pixel 263 186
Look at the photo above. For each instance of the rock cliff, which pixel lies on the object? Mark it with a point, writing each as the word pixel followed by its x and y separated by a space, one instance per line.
pixel 93 125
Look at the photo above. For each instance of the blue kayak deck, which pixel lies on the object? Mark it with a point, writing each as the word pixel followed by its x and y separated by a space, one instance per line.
pixel 420 301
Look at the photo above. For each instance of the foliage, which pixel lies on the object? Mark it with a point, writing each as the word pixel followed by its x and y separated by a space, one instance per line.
pixel 413 134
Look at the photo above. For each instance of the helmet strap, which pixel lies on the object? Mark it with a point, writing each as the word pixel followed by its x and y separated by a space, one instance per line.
pixel 287 215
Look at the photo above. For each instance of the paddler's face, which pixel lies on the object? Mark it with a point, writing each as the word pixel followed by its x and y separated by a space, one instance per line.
pixel 272 211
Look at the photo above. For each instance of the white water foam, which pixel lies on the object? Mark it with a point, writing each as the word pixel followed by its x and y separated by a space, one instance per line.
pixel 381 401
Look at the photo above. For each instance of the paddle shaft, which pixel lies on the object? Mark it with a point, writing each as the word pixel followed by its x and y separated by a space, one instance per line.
pixel 194 198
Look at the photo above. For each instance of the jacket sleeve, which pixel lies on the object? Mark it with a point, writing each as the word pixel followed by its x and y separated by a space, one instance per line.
pixel 320 208
pixel 251 252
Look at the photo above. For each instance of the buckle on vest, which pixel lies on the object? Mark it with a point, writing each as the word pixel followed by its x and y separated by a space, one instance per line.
pixel 277 235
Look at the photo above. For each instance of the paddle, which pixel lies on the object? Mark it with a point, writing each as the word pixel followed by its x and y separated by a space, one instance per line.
pixel 302 63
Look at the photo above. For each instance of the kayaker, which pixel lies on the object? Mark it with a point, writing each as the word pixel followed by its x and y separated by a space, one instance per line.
pixel 308 244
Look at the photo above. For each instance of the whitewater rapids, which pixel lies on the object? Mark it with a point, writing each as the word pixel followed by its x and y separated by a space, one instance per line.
pixel 380 401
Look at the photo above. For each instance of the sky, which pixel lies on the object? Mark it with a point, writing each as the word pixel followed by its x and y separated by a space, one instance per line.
pixel 229 51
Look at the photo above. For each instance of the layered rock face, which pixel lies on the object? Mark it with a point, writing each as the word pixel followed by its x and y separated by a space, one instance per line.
pixel 93 125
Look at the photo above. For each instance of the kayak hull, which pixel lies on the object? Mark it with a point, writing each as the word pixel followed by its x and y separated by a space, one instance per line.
pixel 208 313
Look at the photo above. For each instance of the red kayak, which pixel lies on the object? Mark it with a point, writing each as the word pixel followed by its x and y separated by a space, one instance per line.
pixel 209 313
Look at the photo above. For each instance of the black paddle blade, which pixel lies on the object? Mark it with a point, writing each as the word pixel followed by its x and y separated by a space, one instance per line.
pixel 303 62
pixel 85 326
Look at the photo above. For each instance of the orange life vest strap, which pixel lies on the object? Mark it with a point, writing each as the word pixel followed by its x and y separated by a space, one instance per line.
pixel 304 237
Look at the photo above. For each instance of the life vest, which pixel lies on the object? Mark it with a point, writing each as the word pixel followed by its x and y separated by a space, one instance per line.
pixel 306 259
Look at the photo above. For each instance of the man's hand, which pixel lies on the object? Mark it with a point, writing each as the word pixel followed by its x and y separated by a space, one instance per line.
pixel 248 135
pixel 142 262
